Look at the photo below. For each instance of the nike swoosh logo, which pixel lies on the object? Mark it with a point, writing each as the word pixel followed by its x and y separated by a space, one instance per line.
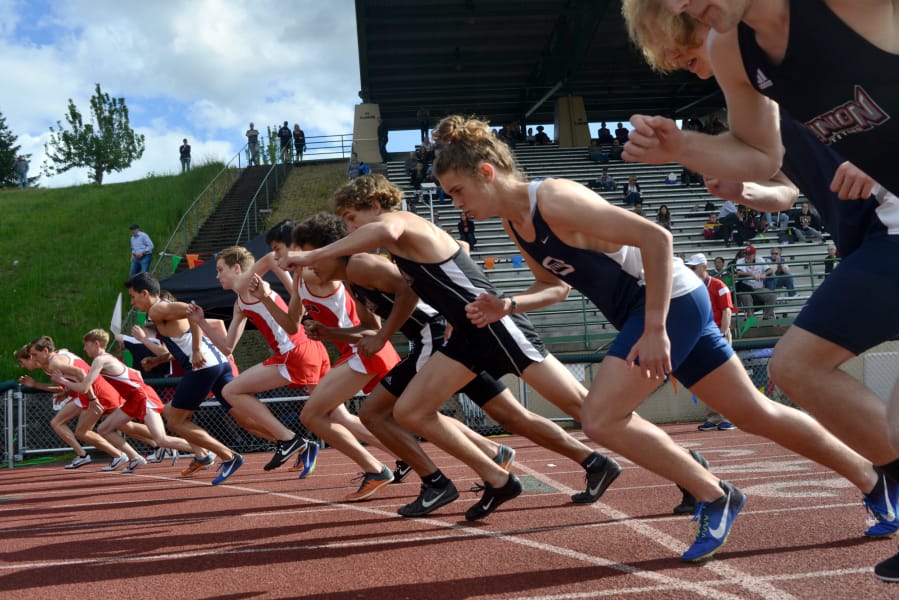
pixel 488 504
pixel 544 240
pixel 594 491
pixel 718 532
pixel 427 504
pixel 891 512
pixel 592 462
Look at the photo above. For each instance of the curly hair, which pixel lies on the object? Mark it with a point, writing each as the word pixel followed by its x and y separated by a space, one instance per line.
pixel 237 255
pixel 359 193
pixel 467 142
pixel 654 29
pixel 319 230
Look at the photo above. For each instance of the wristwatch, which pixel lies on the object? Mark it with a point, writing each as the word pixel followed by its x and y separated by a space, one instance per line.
pixel 513 305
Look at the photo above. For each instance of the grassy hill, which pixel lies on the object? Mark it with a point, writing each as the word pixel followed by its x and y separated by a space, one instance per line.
pixel 64 253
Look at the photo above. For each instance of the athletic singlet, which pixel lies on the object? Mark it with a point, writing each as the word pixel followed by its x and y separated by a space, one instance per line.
pixel 334 310
pixel 842 87
pixel 180 349
pixel 129 383
pixel 381 303
pixel 277 338
pixel 613 282
pixel 105 393
pixel 811 166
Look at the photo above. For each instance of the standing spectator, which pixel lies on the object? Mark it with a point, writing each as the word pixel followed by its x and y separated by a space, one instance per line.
pixel 253 144
pixel 530 138
pixel 603 135
pixel 141 251
pixel 541 139
pixel 782 276
pixel 621 134
pixel 631 191
pixel 184 152
pixel 722 309
pixel 299 142
pixel 807 225
pixel 751 273
pixel 285 135
pixel 423 116
pixel 831 260
pixel 382 140
pixel 21 167
pixel 352 169
pixel 466 230
pixel 663 217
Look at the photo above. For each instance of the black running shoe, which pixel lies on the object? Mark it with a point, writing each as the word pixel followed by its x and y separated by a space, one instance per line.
pixel 688 503
pixel 493 497
pixel 888 570
pixel 402 469
pixel 283 452
pixel 430 499
pixel 598 480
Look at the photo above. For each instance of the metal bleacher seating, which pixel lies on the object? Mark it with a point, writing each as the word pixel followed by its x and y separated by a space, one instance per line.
pixel 575 325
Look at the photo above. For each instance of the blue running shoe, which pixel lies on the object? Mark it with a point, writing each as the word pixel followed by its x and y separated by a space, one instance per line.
pixel 308 457
pixel 882 504
pixel 715 522
pixel 227 468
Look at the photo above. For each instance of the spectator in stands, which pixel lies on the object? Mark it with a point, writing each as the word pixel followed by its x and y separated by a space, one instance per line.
pixel 621 134
pixel 616 150
pixel 638 208
pixel 751 272
pixel 383 138
pixel 253 144
pixel 352 170
pixel 285 135
pixel 595 153
pixel 141 251
pixel 663 217
pixel 631 191
pixel 603 135
pixel 541 139
pixel 606 181
pixel 692 123
pixel 832 258
pixel 806 224
pixel 722 309
pixel 716 126
pixel 299 141
pixel 718 270
pixel 782 277
pixel 410 163
pixel 530 138
pixel 734 228
pixel 688 177
pixel 423 116
pixel 778 222
pixel 418 176
pixel 184 152
pixel 712 229
pixel 466 230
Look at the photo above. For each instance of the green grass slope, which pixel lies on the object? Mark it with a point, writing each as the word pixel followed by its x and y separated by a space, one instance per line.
pixel 64 253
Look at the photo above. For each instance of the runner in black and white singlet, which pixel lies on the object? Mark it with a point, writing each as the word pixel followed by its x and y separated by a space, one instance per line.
pixel 625 265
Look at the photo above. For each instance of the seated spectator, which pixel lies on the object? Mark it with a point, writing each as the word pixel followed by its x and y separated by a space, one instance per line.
pixel 621 134
pixel 719 269
pixel 688 177
pixel 541 139
pixel 779 223
pixel 595 153
pixel 616 150
pixel 733 224
pixel 631 191
pixel 712 229
pixel 466 231
pixel 606 181
pixel 663 217
pixel 750 274
pixel 806 224
pixel 410 163
pixel 782 277
pixel 352 170
pixel 638 208
pixel 603 135
pixel 417 177
pixel 832 258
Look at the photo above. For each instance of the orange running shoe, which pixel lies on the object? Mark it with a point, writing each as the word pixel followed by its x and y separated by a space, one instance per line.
pixel 371 483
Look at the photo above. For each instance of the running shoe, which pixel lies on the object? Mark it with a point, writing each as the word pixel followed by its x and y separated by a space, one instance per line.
pixel 115 463
pixel 284 449
pixel 888 570
pixel 371 483
pixel 504 457
pixel 156 456
pixel 708 426
pixel 308 459
pixel 688 503
pixel 402 469
pixel 134 463
pixel 715 522
pixel 227 468
pixel 175 456
pixel 430 498
pixel 197 464
pixel 599 477
pixel 882 505
pixel 726 425
pixel 79 461
pixel 493 497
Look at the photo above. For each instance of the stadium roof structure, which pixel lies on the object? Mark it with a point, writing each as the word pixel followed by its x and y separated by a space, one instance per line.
pixel 504 59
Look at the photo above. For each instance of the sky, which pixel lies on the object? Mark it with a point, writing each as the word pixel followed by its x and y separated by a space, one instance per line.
pixel 197 69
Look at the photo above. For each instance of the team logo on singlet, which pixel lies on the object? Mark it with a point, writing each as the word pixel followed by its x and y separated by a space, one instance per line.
pixel 860 114
pixel 762 80
pixel 557 267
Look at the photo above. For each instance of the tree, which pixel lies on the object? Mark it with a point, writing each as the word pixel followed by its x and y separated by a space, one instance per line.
pixel 104 145
pixel 9 152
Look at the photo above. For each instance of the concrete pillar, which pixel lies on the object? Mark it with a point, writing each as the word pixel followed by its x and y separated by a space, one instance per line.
pixel 571 127
pixel 365 133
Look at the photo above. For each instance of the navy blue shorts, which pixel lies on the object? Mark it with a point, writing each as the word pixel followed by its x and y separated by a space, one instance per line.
pixel 697 346
pixel 195 386
pixel 855 306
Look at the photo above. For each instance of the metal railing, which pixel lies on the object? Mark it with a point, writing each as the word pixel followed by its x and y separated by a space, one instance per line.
pixel 261 203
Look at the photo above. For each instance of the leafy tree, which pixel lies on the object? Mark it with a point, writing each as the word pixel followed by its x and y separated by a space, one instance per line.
pixel 104 145
pixel 9 151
